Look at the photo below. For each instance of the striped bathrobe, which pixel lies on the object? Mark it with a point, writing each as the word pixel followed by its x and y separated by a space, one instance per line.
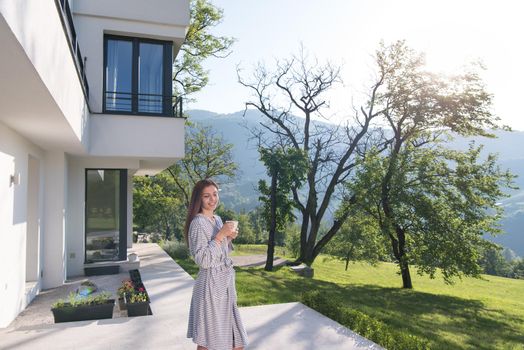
pixel 214 319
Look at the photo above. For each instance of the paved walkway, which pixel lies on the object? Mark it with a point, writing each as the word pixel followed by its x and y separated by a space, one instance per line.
pixel 290 326
pixel 255 260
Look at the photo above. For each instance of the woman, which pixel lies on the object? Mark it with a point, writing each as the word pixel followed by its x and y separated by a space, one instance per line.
pixel 214 319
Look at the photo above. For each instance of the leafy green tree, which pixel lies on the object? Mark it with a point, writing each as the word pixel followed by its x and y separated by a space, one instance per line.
pixel 420 108
pixel 428 200
pixel 144 208
pixel 156 205
pixel 518 269
pixel 161 201
pixel 509 254
pixel 246 234
pixel 286 168
pixel 359 239
pixel 225 213
pixel 292 239
pixel 207 156
pixel 494 263
pixel 440 202
pixel 256 218
pixel 188 74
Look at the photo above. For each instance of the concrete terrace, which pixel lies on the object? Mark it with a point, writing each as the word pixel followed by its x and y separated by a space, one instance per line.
pixel 289 326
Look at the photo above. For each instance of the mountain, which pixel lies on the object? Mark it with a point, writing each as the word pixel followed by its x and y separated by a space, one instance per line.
pixel 242 194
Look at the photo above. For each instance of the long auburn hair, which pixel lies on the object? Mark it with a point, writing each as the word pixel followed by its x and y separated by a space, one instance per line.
pixel 195 205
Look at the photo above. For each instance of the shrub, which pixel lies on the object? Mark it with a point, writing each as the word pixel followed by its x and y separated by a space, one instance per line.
pixel 292 240
pixel 175 249
pixel 363 324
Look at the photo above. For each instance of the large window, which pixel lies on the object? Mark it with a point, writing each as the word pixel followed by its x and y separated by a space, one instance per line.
pixel 137 76
pixel 106 215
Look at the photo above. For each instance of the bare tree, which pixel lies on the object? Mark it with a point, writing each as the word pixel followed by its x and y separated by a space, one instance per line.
pixel 292 99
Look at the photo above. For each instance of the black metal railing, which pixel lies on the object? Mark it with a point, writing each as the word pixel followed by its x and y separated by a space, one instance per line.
pixel 143 104
pixel 177 107
pixel 69 28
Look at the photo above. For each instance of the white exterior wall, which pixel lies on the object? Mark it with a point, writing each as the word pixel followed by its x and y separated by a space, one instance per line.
pixel 75 218
pixel 173 13
pixel 135 136
pixel 38 30
pixel 55 206
pixel 14 159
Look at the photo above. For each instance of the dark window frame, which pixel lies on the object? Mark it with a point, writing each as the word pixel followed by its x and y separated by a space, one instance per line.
pixel 167 61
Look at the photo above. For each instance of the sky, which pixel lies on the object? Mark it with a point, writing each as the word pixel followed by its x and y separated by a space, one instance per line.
pixel 348 32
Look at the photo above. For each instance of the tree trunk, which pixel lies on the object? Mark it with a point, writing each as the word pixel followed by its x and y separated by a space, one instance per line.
pixel 403 261
pixel 273 225
pixel 310 255
pixel 398 244
pixel 406 277
pixel 349 255
pixel 399 251
pixel 308 259
pixel 168 232
pixel 303 240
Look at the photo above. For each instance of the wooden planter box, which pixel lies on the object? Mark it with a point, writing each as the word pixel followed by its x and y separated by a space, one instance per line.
pixel 69 313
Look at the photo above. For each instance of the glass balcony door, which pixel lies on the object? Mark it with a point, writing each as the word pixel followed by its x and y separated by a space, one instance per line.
pixel 137 76
pixel 119 68
pixel 150 78
pixel 105 226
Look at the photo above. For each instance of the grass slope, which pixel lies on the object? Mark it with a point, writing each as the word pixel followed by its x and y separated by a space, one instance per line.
pixel 483 313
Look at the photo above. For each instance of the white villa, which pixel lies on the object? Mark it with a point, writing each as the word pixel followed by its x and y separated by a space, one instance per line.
pixel 85 104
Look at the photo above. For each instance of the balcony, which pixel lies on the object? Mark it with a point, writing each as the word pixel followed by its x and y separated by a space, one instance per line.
pixel 145 104
pixel 130 46
pixel 67 22
pixel 155 141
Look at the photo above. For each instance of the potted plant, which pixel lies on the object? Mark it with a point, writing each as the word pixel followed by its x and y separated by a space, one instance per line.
pixel 126 287
pixel 77 308
pixel 137 303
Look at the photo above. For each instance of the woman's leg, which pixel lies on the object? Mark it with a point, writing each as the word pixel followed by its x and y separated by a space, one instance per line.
pixel 201 347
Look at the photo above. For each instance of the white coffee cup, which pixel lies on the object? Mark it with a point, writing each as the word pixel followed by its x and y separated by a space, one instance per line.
pixel 235 224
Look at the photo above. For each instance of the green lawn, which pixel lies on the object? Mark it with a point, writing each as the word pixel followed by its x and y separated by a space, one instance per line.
pixel 256 249
pixel 483 313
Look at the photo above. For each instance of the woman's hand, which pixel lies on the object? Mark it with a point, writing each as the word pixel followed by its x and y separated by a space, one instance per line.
pixel 234 235
pixel 227 230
